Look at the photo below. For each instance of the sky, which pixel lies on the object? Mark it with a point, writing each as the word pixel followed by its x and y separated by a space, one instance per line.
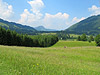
pixel 52 14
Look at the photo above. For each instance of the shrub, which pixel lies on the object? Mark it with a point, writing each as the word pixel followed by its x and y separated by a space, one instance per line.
pixel 97 40
pixel 79 38
pixel 83 37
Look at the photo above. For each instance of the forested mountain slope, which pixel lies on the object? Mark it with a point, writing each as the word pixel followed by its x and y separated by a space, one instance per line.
pixel 91 25
pixel 17 27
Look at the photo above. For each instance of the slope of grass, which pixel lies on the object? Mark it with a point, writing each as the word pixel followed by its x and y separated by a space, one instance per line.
pixel 73 44
pixel 50 61
pixel 3 24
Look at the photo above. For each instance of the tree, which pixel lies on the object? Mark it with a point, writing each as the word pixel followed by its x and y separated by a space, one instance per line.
pixel 91 38
pixel 9 37
pixel 97 40
pixel 14 38
pixel 83 37
pixel 4 37
pixel 79 38
pixel 0 35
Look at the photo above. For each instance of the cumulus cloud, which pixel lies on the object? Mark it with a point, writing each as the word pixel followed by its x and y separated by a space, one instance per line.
pixel 6 10
pixel 94 10
pixel 58 20
pixel 75 19
pixel 29 18
pixel 36 5
pixel 32 18
pixel 36 18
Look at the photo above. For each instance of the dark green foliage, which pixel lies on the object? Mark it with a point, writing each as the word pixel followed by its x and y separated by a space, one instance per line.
pixel 79 38
pixel 89 26
pixel 9 37
pixel 12 38
pixel 97 40
pixel 91 38
pixel 64 36
pixel 2 36
pixel 83 37
pixel 44 40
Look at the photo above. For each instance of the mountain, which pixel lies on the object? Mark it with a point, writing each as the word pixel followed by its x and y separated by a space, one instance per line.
pixel 91 25
pixel 41 28
pixel 17 27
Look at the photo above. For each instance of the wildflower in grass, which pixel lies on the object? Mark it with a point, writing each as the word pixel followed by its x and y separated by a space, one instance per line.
pixel 37 64
pixel 19 72
pixel 33 65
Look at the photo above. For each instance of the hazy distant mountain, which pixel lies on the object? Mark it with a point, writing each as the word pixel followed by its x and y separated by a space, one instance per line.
pixel 90 25
pixel 41 28
pixel 17 27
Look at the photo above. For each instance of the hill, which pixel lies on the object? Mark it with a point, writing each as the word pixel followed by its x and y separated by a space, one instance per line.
pixel 17 27
pixel 91 25
pixel 41 28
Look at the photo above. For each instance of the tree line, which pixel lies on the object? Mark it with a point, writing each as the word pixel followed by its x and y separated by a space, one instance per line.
pixel 44 40
pixel 64 36
pixel 83 37
pixel 12 38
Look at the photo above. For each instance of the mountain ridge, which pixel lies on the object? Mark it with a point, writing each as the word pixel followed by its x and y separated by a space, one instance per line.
pixel 42 28
pixel 24 29
pixel 17 27
pixel 90 25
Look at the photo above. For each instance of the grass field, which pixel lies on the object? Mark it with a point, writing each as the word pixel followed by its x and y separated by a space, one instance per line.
pixel 73 44
pixel 79 58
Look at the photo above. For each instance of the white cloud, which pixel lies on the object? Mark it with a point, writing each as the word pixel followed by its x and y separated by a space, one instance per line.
pixel 29 18
pixel 35 17
pixel 36 5
pixel 57 21
pixel 75 19
pixel 6 11
pixel 32 18
pixel 95 10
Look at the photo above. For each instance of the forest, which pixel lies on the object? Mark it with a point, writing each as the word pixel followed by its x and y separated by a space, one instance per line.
pixel 12 38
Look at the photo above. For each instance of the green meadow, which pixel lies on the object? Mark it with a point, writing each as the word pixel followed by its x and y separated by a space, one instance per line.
pixel 73 44
pixel 78 58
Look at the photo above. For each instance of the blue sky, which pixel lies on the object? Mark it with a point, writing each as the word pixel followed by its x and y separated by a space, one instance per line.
pixel 53 14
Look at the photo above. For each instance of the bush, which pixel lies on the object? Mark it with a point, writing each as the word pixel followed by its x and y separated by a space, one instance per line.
pixel 91 38
pixel 79 38
pixel 83 37
pixel 97 40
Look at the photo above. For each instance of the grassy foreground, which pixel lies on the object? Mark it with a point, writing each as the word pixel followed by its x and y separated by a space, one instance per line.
pixel 75 60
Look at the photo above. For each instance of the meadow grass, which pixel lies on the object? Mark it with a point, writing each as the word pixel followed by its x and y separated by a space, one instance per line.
pixel 74 44
pixel 75 60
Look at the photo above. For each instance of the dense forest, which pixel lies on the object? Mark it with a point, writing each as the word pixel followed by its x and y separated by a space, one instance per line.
pixel 12 38
pixel 89 26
